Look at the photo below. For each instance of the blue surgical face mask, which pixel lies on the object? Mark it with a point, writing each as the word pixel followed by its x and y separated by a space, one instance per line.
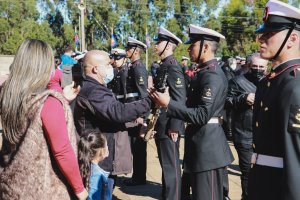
pixel 109 75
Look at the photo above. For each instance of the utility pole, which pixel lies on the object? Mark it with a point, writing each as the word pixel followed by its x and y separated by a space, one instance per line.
pixel 81 7
pixel 75 31
pixel 146 47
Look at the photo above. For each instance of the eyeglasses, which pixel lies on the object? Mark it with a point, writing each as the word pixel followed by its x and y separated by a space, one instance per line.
pixel 117 57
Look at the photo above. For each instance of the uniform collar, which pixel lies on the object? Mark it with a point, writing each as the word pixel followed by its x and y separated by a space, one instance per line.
pixel 283 67
pixel 209 63
pixel 135 62
pixel 166 58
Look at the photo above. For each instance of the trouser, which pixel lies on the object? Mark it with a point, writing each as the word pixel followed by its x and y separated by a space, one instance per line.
pixel 185 186
pixel 244 152
pixel 139 155
pixel 168 154
pixel 225 183
pixel 228 123
pixel 265 183
pixel 207 185
pixel 107 163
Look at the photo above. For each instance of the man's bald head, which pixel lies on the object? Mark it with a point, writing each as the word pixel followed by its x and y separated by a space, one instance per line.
pixel 95 58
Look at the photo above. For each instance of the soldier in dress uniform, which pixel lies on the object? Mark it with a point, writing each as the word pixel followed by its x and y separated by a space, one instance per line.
pixel 136 88
pixel 276 115
pixel 118 84
pixel 168 129
pixel 206 149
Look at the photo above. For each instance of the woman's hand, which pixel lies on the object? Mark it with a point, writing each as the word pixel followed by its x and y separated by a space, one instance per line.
pixel 82 195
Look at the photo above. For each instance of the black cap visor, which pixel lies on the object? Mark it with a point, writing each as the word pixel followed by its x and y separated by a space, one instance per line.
pixel 276 23
pixel 162 37
pixel 117 56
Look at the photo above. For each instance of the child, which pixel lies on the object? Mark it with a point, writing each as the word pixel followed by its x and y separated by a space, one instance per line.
pixel 92 149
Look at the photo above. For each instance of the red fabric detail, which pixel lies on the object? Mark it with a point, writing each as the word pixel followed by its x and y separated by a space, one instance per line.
pixel 271 77
pixel 190 73
pixel 55 81
pixel 176 172
pixel 55 126
pixel 295 71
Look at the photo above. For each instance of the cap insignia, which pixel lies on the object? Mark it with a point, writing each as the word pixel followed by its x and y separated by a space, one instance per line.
pixel 266 14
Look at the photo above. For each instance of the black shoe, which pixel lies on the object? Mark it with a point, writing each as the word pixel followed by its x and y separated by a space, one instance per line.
pixel 227 198
pixel 132 182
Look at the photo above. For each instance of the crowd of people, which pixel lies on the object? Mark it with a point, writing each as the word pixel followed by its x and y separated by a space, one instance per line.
pixel 70 140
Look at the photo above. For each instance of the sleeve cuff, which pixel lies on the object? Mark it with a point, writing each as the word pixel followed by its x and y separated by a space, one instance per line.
pixel 172 106
pixel 79 190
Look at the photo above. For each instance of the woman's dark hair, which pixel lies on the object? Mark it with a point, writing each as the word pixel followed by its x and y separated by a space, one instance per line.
pixel 87 148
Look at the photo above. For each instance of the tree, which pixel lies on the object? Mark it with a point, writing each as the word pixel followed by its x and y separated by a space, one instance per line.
pixel 237 20
pixel 238 27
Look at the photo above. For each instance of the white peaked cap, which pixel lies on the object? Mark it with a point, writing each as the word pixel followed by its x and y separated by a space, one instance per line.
pixel 282 9
pixel 279 16
pixel 185 58
pixel 165 35
pixel 131 42
pixel 197 30
pixel 118 51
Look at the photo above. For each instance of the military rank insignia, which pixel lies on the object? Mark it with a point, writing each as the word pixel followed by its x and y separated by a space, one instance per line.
pixel 141 81
pixel 178 83
pixel 207 94
pixel 294 119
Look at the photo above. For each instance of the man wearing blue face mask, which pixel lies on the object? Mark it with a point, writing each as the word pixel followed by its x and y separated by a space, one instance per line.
pixel 97 108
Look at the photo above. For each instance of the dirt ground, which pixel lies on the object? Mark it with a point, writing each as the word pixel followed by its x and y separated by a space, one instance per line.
pixel 152 190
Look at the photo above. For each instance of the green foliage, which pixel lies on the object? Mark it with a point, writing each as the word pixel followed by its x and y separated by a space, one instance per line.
pixel 237 20
pixel 238 30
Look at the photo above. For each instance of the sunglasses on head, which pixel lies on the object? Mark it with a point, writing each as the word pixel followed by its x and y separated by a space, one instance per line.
pixel 116 57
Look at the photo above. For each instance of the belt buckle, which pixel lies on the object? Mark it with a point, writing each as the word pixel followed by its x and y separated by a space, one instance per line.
pixel 221 120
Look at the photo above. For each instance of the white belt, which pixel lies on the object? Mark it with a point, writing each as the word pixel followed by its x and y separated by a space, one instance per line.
pixel 213 120
pixel 128 95
pixel 270 161
pixel 120 96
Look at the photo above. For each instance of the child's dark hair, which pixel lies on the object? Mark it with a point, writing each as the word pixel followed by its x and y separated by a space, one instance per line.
pixel 57 61
pixel 87 148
